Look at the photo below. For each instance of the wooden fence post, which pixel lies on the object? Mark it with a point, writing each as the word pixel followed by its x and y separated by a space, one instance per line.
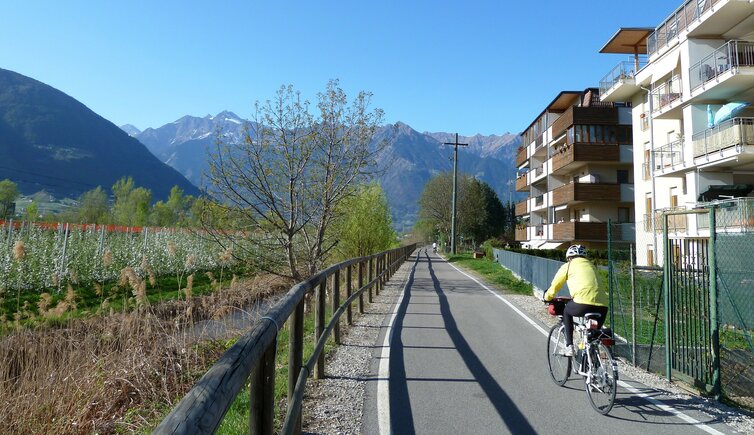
pixel 295 354
pixel 371 277
pixel 319 328
pixel 262 395
pixel 361 284
pixel 336 304
pixel 349 286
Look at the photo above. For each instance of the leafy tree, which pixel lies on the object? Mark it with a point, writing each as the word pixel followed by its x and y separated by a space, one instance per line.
pixel 131 205
pixel 283 184
pixel 32 212
pixel 8 194
pixel 94 207
pixel 366 225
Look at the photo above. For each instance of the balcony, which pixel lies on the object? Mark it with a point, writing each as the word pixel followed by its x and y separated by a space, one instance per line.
pixel 521 234
pixel 666 96
pixel 668 157
pixel 676 222
pixel 522 208
pixel 724 140
pixel 596 231
pixel 620 83
pixel 735 215
pixel 579 192
pixel 522 182
pixel 572 156
pixel 729 57
pixel 681 19
pixel 601 114
pixel 521 157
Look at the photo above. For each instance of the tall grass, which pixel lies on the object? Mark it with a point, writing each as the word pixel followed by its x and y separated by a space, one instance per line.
pixel 113 373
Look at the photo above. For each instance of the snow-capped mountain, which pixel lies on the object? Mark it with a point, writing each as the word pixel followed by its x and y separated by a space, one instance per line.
pixel 183 144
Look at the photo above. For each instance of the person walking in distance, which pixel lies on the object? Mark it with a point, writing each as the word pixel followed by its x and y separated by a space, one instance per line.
pixel 588 296
pixel 434 246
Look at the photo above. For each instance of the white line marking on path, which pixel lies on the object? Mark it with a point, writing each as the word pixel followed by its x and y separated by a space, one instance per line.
pixel 383 372
pixel 652 400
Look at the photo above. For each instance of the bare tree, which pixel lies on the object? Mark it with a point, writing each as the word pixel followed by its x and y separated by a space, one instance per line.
pixel 277 192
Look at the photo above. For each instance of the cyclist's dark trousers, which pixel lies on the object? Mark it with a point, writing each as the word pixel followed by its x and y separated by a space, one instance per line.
pixel 572 309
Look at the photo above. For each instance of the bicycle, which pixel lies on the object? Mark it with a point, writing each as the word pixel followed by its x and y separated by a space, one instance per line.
pixel 594 361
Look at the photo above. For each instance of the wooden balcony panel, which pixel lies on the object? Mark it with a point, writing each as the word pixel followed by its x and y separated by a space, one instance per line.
pixel 585 153
pixel 586 192
pixel 521 157
pixel 522 208
pixel 522 185
pixel 585 116
pixel 596 231
pixel 521 234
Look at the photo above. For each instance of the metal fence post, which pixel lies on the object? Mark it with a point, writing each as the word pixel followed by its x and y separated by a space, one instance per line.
pixel 633 307
pixel 666 266
pixel 610 286
pixel 319 327
pixel 714 326
pixel 336 304
pixel 295 354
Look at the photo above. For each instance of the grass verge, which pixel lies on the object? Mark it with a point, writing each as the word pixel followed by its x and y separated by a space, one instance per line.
pixel 493 273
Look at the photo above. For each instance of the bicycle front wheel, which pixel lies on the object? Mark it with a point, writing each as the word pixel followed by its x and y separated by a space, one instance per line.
pixel 560 365
pixel 602 382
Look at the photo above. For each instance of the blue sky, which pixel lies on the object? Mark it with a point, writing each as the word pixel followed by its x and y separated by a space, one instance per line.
pixel 469 66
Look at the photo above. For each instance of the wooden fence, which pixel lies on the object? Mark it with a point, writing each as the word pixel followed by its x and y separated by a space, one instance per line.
pixel 252 357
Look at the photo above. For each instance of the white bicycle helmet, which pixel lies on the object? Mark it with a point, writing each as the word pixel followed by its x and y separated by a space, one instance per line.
pixel 575 251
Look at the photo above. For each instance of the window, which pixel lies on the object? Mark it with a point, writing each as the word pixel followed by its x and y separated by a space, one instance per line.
pixel 650 257
pixel 674 197
pixel 623 176
pixel 624 215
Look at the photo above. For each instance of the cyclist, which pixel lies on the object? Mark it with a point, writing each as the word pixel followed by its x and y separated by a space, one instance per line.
pixel 434 246
pixel 588 296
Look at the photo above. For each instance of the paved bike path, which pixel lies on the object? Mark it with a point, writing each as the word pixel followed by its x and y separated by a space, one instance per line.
pixel 461 361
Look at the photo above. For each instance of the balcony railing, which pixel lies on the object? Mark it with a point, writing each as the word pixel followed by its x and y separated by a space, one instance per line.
pixel 729 56
pixel 583 231
pixel 586 192
pixel 657 222
pixel 668 155
pixel 676 22
pixel 623 71
pixel 666 93
pixel 521 234
pixel 735 214
pixel 539 171
pixel 521 182
pixel 584 153
pixel 521 156
pixel 727 134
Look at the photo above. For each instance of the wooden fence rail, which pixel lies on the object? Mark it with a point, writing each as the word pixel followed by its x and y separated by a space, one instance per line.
pixel 252 357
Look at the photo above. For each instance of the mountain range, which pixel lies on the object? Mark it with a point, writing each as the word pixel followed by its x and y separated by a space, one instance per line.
pixel 411 157
pixel 50 141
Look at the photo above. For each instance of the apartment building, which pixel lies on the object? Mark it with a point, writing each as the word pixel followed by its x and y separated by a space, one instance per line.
pixel 689 81
pixel 575 163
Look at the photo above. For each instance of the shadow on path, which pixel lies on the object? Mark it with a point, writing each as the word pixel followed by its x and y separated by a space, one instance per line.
pixel 506 409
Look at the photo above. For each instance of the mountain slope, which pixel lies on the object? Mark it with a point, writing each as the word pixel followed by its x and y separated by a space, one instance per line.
pixel 183 144
pixel 411 158
pixel 50 141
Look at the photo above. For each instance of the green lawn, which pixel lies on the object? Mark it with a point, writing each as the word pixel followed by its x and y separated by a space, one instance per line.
pixel 500 277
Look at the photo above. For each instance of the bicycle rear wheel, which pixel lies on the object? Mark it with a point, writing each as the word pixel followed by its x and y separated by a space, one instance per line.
pixel 560 365
pixel 604 378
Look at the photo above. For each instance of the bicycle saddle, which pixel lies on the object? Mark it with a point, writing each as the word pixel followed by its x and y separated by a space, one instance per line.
pixel 594 316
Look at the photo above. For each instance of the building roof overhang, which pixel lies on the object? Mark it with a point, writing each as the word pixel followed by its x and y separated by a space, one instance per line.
pixel 628 40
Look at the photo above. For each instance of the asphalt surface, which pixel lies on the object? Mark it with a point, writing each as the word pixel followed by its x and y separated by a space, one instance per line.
pixel 461 361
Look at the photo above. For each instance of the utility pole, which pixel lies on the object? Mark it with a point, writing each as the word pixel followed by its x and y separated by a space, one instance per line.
pixel 455 189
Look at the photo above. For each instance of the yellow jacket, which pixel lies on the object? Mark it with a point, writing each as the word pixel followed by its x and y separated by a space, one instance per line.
pixel 583 283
